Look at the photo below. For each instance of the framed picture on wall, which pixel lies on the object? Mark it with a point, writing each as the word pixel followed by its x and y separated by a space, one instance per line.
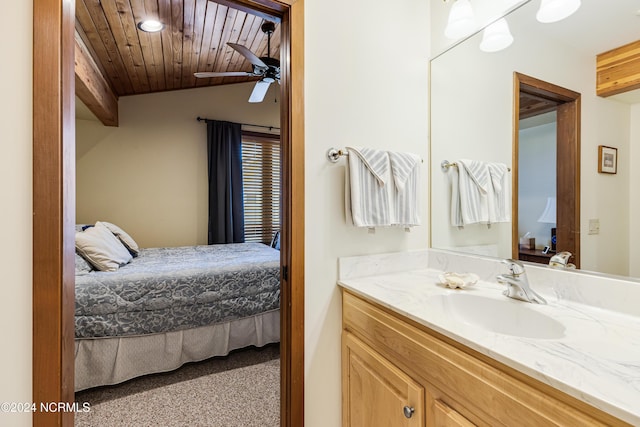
pixel 607 159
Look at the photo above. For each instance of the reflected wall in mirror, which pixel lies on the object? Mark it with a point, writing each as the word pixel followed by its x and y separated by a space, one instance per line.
pixel 472 117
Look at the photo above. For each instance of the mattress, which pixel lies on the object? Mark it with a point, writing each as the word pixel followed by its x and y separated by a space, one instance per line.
pixel 172 289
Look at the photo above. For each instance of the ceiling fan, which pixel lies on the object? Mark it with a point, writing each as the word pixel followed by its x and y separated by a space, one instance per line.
pixel 266 67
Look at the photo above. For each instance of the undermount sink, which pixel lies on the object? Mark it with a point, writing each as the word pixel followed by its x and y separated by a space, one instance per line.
pixel 502 316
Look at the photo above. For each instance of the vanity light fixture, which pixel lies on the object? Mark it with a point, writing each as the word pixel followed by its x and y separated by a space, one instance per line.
pixel 461 22
pixel 496 36
pixel 150 26
pixel 556 10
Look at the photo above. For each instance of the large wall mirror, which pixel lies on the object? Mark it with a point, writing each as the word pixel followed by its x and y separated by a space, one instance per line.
pixel 472 117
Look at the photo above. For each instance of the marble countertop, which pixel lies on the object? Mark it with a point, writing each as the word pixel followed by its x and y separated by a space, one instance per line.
pixel 597 360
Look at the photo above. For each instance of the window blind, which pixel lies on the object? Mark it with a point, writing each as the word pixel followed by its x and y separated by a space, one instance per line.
pixel 261 186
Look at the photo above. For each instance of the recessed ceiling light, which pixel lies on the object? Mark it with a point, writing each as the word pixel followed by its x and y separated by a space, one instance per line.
pixel 150 25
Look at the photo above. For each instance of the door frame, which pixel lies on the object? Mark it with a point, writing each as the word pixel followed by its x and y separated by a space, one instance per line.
pixel 568 149
pixel 54 207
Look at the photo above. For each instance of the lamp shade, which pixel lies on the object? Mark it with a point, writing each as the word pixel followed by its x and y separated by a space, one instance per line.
pixel 461 22
pixel 496 36
pixel 549 213
pixel 556 10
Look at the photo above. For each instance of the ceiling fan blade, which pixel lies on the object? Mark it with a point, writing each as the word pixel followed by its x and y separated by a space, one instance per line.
pixel 251 57
pixel 224 74
pixel 259 91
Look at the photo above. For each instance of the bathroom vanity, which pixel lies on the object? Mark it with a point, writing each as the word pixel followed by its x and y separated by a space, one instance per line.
pixel 415 353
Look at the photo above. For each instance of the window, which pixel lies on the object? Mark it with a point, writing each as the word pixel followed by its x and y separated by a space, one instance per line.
pixel 261 186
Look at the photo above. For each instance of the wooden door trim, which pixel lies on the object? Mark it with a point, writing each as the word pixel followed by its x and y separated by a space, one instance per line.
pixel 568 177
pixel 54 208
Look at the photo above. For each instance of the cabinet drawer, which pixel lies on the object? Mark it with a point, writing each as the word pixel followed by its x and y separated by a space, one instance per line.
pixel 486 389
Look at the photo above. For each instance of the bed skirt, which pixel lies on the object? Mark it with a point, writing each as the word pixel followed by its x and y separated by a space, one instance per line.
pixel 107 361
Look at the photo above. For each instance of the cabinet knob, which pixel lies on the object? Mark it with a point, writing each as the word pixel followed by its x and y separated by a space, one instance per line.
pixel 408 411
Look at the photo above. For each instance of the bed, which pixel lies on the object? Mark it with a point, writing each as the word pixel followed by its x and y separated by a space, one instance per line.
pixel 170 306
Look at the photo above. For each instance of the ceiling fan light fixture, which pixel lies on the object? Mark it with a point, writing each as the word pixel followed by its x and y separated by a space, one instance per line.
pixel 150 26
pixel 496 36
pixel 556 10
pixel 461 21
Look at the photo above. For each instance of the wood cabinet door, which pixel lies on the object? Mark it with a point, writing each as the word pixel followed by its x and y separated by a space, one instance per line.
pixel 376 393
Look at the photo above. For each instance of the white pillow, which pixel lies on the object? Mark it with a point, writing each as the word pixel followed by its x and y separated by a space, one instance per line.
pixel 126 240
pixel 101 248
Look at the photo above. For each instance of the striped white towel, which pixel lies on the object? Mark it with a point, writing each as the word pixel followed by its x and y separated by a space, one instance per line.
pixel 406 173
pixel 473 188
pixel 369 174
pixel 500 200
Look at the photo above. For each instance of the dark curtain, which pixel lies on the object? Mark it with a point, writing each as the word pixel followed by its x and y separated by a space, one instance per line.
pixel 226 209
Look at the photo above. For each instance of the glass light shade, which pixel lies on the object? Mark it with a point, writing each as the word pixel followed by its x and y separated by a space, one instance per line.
pixel 150 26
pixel 496 36
pixel 556 10
pixel 549 213
pixel 461 22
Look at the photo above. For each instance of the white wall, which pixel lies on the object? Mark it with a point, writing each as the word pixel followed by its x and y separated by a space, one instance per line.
pixel 634 192
pixel 462 130
pixel 366 75
pixel 15 189
pixel 149 174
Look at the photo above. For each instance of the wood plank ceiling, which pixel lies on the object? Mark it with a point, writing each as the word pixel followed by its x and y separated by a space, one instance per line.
pixel 534 104
pixel 194 39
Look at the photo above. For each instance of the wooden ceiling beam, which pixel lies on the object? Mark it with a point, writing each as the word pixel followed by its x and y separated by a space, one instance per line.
pixel 618 70
pixel 254 7
pixel 92 88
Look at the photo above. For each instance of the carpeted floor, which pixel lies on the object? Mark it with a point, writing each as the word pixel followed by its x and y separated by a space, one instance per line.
pixel 240 390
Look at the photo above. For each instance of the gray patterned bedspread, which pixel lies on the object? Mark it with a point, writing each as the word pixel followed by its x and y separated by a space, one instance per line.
pixel 169 289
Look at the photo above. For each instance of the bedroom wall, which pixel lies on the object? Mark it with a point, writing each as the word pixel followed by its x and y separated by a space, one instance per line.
pixel 536 180
pixel 375 64
pixel 149 174
pixel 15 189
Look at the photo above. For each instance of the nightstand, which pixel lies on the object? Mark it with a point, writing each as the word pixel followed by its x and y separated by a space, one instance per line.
pixel 535 255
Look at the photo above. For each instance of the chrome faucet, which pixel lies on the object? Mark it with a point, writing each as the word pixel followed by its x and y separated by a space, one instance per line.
pixel 561 260
pixel 518 284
